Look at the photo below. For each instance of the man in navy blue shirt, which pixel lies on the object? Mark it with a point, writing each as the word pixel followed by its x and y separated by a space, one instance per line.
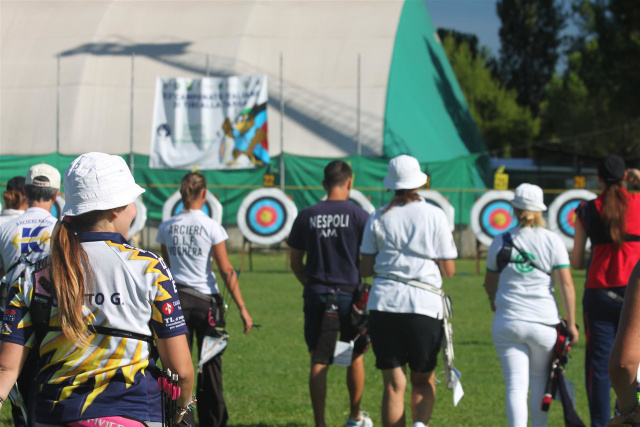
pixel 330 233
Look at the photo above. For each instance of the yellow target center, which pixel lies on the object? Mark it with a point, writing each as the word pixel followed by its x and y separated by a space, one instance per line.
pixel 266 216
pixel 500 219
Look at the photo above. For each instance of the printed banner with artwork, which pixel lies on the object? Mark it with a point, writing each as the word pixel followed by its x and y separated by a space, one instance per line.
pixel 210 123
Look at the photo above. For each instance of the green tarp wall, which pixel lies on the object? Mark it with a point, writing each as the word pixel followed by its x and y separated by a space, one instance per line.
pixel 426 114
pixel 303 180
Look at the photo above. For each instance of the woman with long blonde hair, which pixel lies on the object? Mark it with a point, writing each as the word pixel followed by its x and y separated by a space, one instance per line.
pixel 522 265
pixel 94 309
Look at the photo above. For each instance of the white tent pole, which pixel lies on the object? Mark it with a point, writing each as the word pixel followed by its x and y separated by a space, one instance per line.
pixel 131 159
pixel 358 119
pixel 281 125
pixel 58 108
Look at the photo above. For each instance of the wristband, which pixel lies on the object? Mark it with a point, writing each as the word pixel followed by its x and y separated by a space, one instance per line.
pixel 182 410
pixel 1 401
pixel 635 410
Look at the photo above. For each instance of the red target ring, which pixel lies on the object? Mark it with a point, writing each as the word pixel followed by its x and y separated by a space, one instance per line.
pixel 266 216
pixel 500 219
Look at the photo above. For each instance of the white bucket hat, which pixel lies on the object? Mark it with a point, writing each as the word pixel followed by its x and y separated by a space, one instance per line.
pixel 37 172
pixel 528 197
pixel 404 174
pixel 97 182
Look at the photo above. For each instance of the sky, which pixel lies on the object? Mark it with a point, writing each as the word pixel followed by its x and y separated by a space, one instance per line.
pixel 477 17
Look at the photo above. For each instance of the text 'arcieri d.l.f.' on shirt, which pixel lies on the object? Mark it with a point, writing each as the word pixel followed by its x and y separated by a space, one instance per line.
pixel 189 238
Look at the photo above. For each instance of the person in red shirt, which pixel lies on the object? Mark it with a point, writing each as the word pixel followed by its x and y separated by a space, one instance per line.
pixel 612 222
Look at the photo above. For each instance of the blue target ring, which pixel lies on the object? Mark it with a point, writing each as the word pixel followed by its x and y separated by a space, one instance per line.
pixel 266 216
pixel 567 217
pixel 54 211
pixel 178 207
pixel 497 217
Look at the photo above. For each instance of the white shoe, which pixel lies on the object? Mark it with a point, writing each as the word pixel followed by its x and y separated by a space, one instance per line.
pixel 363 421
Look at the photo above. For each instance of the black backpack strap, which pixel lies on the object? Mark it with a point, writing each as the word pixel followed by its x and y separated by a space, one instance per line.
pixel 40 308
pixel 504 256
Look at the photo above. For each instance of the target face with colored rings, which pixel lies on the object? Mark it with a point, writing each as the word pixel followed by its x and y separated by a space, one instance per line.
pixel 492 215
pixel 438 200
pixel 266 216
pixel 357 198
pixel 174 205
pixel 562 214
pixel 56 208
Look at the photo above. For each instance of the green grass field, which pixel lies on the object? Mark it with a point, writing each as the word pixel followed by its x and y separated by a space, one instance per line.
pixel 266 371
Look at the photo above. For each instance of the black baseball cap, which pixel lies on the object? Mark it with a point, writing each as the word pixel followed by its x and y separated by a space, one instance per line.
pixel 611 169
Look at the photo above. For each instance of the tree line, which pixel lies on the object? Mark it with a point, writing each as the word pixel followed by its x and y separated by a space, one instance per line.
pixel 551 95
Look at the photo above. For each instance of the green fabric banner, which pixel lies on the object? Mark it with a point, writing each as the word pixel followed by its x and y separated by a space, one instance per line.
pixel 426 114
pixel 303 180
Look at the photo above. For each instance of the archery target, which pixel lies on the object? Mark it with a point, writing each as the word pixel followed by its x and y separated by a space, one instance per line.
pixel 173 206
pixel 356 197
pixel 562 214
pixel 266 216
pixel 438 200
pixel 141 218
pixel 56 208
pixel 492 215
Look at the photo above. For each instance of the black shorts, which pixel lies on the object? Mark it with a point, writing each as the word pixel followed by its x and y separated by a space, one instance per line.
pixel 401 338
pixel 314 308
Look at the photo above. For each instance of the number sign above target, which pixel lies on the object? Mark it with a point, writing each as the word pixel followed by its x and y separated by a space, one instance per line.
pixel 356 197
pixel 492 215
pixel 140 220
pixel 266 216
pixel 562 214
pixel 173 206
pixel 438 200
pixel 56 208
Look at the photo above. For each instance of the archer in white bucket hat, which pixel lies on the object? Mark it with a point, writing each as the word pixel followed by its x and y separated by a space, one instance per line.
pixel 98 182
pixel 528 197
pixel 404 173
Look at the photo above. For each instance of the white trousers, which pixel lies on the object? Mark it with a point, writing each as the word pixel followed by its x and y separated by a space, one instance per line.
pixel 525 350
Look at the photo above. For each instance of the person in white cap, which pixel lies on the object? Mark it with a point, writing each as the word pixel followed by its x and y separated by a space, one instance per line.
pixel 407 240
pixel 29 234
pixel 25 239
pixel 521 295
pixel 93 309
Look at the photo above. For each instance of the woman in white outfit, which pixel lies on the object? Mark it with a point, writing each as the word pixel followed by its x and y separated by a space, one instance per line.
pixel 406 240
pixel 522 297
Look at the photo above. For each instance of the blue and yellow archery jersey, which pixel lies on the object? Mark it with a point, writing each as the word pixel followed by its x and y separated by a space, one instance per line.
pixel 132 291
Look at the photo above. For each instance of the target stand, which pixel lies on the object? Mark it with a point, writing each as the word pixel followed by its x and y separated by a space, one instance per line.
pixel 173 206
pixel 56 209
pixel 438 200
pixel 562 214
pixel 265 217
pixel 491 215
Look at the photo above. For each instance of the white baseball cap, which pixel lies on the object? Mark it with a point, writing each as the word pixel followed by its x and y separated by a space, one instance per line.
pixel 38 172
pixel 97 182
pixel 404 173
pixel 528 197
